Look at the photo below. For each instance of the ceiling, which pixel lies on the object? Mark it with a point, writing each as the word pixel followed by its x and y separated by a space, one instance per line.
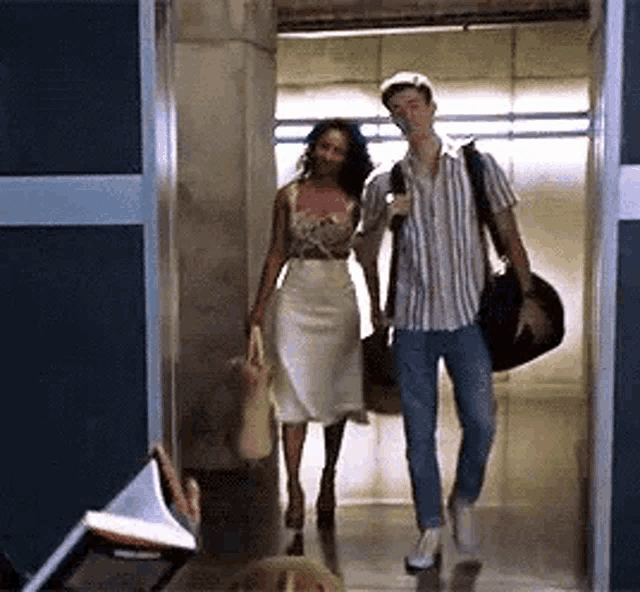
pixel 336 15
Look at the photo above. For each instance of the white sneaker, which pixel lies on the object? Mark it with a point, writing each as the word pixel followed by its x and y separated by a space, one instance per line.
pixel 426 552
pixel 463 525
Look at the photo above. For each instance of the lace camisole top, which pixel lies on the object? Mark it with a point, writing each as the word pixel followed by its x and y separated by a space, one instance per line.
pixel 314 236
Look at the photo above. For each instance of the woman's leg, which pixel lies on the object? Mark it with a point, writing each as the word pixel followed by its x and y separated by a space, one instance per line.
pixel 332 442
pixel 326 503
pixel 293 436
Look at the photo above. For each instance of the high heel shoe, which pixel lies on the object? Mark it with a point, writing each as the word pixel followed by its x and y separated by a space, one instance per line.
pixel 294 516
pixel 326 502
pixel 296 547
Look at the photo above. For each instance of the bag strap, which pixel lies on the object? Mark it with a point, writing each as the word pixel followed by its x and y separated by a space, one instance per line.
pixel 397 186
pixel 256 346
pixel 475 168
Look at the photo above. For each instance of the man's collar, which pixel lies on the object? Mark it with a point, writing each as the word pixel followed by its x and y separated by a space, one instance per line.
pixel 448 146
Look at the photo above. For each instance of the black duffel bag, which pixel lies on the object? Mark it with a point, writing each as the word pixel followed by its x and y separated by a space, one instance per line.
pixel 498 317
pixel 502 299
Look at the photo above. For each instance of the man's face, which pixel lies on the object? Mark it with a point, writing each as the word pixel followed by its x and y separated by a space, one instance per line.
pixel 410 111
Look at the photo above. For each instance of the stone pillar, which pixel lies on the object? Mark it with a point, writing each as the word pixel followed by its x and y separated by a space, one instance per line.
pixel 225 95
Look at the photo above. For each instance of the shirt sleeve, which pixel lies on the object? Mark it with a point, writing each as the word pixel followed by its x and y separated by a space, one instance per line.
pixel 373 201
pixel 499 192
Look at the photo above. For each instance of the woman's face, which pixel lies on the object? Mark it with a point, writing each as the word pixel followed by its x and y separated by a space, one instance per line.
pixel 330 153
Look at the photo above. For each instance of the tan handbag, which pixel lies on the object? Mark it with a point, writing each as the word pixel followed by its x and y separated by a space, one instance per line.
pixel 256 440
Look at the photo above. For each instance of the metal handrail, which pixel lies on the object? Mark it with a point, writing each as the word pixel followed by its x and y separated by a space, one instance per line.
pixel 505 117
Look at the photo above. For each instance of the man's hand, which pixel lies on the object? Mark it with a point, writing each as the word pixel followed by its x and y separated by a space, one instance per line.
pixel 532 316
pixel 378 318
pixel 256 317
pixel 400 205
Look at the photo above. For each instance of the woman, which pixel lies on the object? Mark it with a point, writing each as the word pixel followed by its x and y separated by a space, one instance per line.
pixel 316 329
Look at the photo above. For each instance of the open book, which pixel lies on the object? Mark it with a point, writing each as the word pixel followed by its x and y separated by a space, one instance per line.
pixel 135 543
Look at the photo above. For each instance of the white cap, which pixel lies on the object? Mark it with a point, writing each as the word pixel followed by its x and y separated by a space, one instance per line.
pixel 413 78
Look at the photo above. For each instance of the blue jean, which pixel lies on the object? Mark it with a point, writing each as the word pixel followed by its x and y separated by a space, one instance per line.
pixel 468 363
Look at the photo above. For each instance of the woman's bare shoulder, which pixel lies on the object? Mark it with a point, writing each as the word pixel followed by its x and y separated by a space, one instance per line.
pixel 286 193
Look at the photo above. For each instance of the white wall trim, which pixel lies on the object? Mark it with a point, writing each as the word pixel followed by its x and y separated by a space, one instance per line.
pixel 392 501
pixel 90 199
pixel 629 190
pixel 605 279
pixel 150 195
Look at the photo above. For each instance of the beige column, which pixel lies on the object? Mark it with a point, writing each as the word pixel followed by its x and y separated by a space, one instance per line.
pixel 225 95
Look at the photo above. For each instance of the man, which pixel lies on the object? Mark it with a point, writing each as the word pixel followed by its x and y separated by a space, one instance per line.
pixel 440 277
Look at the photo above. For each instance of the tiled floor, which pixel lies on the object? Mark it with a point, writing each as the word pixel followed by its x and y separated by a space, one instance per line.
pixel 531 522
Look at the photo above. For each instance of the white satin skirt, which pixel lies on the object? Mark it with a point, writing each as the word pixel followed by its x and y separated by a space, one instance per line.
pixel 315 344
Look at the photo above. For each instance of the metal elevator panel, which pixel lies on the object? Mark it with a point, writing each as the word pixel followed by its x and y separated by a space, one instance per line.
pixel 79 261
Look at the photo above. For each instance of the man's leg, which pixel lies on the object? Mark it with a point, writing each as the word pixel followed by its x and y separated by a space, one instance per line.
pixel 417 370
pixel 469 364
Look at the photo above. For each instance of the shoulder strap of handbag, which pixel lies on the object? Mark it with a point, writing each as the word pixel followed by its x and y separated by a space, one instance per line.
pixel 397 186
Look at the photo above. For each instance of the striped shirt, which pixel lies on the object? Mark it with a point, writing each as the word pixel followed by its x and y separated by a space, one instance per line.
pixel 441 262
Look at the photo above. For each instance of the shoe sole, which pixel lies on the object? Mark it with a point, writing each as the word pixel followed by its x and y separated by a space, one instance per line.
pixel 462 549
pixel 413 570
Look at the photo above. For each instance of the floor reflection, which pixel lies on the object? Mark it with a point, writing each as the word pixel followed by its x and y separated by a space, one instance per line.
pixel 327 543
pixel 464 576
pixel 533 545
pixel 518 556
pixel 296 547
pixel 329 548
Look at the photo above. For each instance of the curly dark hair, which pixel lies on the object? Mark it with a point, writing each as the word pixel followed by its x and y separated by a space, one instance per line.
pixel 357 165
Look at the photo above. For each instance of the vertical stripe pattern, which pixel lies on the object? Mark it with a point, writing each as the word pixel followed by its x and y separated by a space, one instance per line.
pixel 441 263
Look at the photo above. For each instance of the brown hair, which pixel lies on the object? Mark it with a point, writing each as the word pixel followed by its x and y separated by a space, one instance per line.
pixel 395 88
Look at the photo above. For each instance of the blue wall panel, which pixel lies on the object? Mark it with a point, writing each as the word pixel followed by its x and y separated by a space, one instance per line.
pixel 625 509
pixel 77 270
pixel 70 95
pixel 74 378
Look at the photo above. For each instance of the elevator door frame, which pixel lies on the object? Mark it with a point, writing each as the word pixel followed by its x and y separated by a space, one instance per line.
pixel 608 21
